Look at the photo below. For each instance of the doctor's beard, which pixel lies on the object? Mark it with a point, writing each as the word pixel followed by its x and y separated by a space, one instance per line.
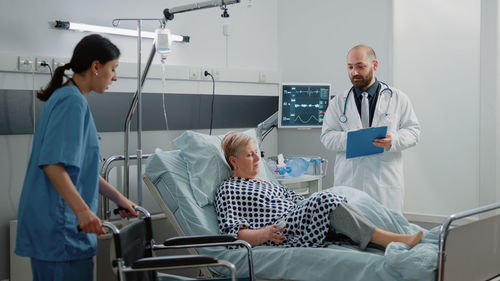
pixel 364 82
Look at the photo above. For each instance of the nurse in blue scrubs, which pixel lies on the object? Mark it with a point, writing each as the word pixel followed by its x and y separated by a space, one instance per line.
pixel 62 183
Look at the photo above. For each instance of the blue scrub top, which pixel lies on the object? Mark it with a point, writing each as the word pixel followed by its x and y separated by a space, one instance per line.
pixel 66 134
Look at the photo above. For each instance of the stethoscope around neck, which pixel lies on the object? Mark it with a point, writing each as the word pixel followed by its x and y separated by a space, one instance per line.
pixel 343 117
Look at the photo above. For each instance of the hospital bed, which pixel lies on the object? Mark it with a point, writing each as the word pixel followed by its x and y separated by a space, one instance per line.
pixel 176 199
pixel 446 252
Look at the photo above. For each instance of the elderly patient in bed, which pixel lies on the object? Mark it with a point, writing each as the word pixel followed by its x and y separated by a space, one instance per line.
pixel 261 212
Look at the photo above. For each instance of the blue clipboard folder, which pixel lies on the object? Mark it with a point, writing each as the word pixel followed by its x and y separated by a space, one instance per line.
pixel 360 143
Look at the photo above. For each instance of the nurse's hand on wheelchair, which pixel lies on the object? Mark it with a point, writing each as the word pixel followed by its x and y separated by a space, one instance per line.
pixel 125 208
pixel 90 223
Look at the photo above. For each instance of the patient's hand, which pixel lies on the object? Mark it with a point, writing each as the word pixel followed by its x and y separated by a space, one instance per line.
pixel 260 236
pixel 274 233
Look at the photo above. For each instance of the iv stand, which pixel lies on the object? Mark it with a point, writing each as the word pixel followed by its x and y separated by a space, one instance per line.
pixel 137 100
pixel 136 105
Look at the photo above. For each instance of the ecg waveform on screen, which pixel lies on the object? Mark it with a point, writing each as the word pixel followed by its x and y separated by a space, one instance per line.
pixel 306 105
pixel 306 121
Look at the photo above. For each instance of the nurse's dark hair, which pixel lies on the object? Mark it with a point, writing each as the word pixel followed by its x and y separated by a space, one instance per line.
pixel 91 48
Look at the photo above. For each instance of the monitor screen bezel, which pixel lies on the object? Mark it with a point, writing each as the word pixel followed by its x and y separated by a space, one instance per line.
pixel 280 101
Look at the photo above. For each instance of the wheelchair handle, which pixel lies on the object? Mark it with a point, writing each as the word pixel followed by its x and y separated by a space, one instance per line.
pixel 116 212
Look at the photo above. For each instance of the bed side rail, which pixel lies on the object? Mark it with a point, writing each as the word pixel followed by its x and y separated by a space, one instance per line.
pixel 110 163
pixel 446 229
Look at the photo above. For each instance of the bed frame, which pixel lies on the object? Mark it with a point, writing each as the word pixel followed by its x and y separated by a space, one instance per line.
pixel 459 258
pixel 469 251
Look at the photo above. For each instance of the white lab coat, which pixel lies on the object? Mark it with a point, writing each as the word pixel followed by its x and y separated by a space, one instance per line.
pixel 379 175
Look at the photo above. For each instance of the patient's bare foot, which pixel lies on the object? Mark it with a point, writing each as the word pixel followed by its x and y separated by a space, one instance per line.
pixel 412 239
pixel 384 238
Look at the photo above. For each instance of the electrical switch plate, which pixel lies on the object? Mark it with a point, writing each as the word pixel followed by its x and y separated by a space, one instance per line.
pixel 194 74
pixel 60 62
pixel 43 68
pixel 25 64
pixel 56 63
pixel 216 74
pixel 262 77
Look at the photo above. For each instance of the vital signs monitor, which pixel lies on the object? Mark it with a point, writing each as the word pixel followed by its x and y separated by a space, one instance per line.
pixel 303 105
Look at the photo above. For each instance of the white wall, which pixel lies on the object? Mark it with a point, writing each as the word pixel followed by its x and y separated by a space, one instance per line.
pixel 489 157
pixel 496 92
pixel 314 38
pixel 24 30
pixel 436 61
pixel 443 54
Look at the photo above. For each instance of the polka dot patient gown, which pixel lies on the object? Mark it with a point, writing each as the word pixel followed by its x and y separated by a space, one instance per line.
pixel 243 203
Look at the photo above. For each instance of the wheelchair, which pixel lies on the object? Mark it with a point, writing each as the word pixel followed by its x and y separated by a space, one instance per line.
pixel 135 249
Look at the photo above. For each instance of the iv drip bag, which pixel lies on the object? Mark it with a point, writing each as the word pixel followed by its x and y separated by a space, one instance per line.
pixel 163 41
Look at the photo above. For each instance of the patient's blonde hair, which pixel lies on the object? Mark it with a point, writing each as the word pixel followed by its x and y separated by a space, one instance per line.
pixel 233 143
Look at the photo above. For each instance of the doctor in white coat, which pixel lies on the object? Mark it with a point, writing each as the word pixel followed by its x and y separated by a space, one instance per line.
pixel 380 175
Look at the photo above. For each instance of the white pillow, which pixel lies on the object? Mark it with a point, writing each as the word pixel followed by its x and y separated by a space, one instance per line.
pixel 207 167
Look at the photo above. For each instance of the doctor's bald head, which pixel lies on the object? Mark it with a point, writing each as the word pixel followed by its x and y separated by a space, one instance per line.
pixel 361 64
pixel 369 52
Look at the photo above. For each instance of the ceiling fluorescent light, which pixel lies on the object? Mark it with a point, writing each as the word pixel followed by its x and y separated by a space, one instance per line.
pixel 112 30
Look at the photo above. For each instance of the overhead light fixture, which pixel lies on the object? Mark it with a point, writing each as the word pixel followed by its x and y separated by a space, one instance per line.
pixel 111 30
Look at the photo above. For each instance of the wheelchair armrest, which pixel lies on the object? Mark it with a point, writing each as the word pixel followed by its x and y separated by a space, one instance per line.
pixel 197 240
pixel 208 241
pixel 171 261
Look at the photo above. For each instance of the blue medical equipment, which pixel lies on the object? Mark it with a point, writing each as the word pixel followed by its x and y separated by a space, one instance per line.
pixel 309 165
pixel 295 167
pixel 343 117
